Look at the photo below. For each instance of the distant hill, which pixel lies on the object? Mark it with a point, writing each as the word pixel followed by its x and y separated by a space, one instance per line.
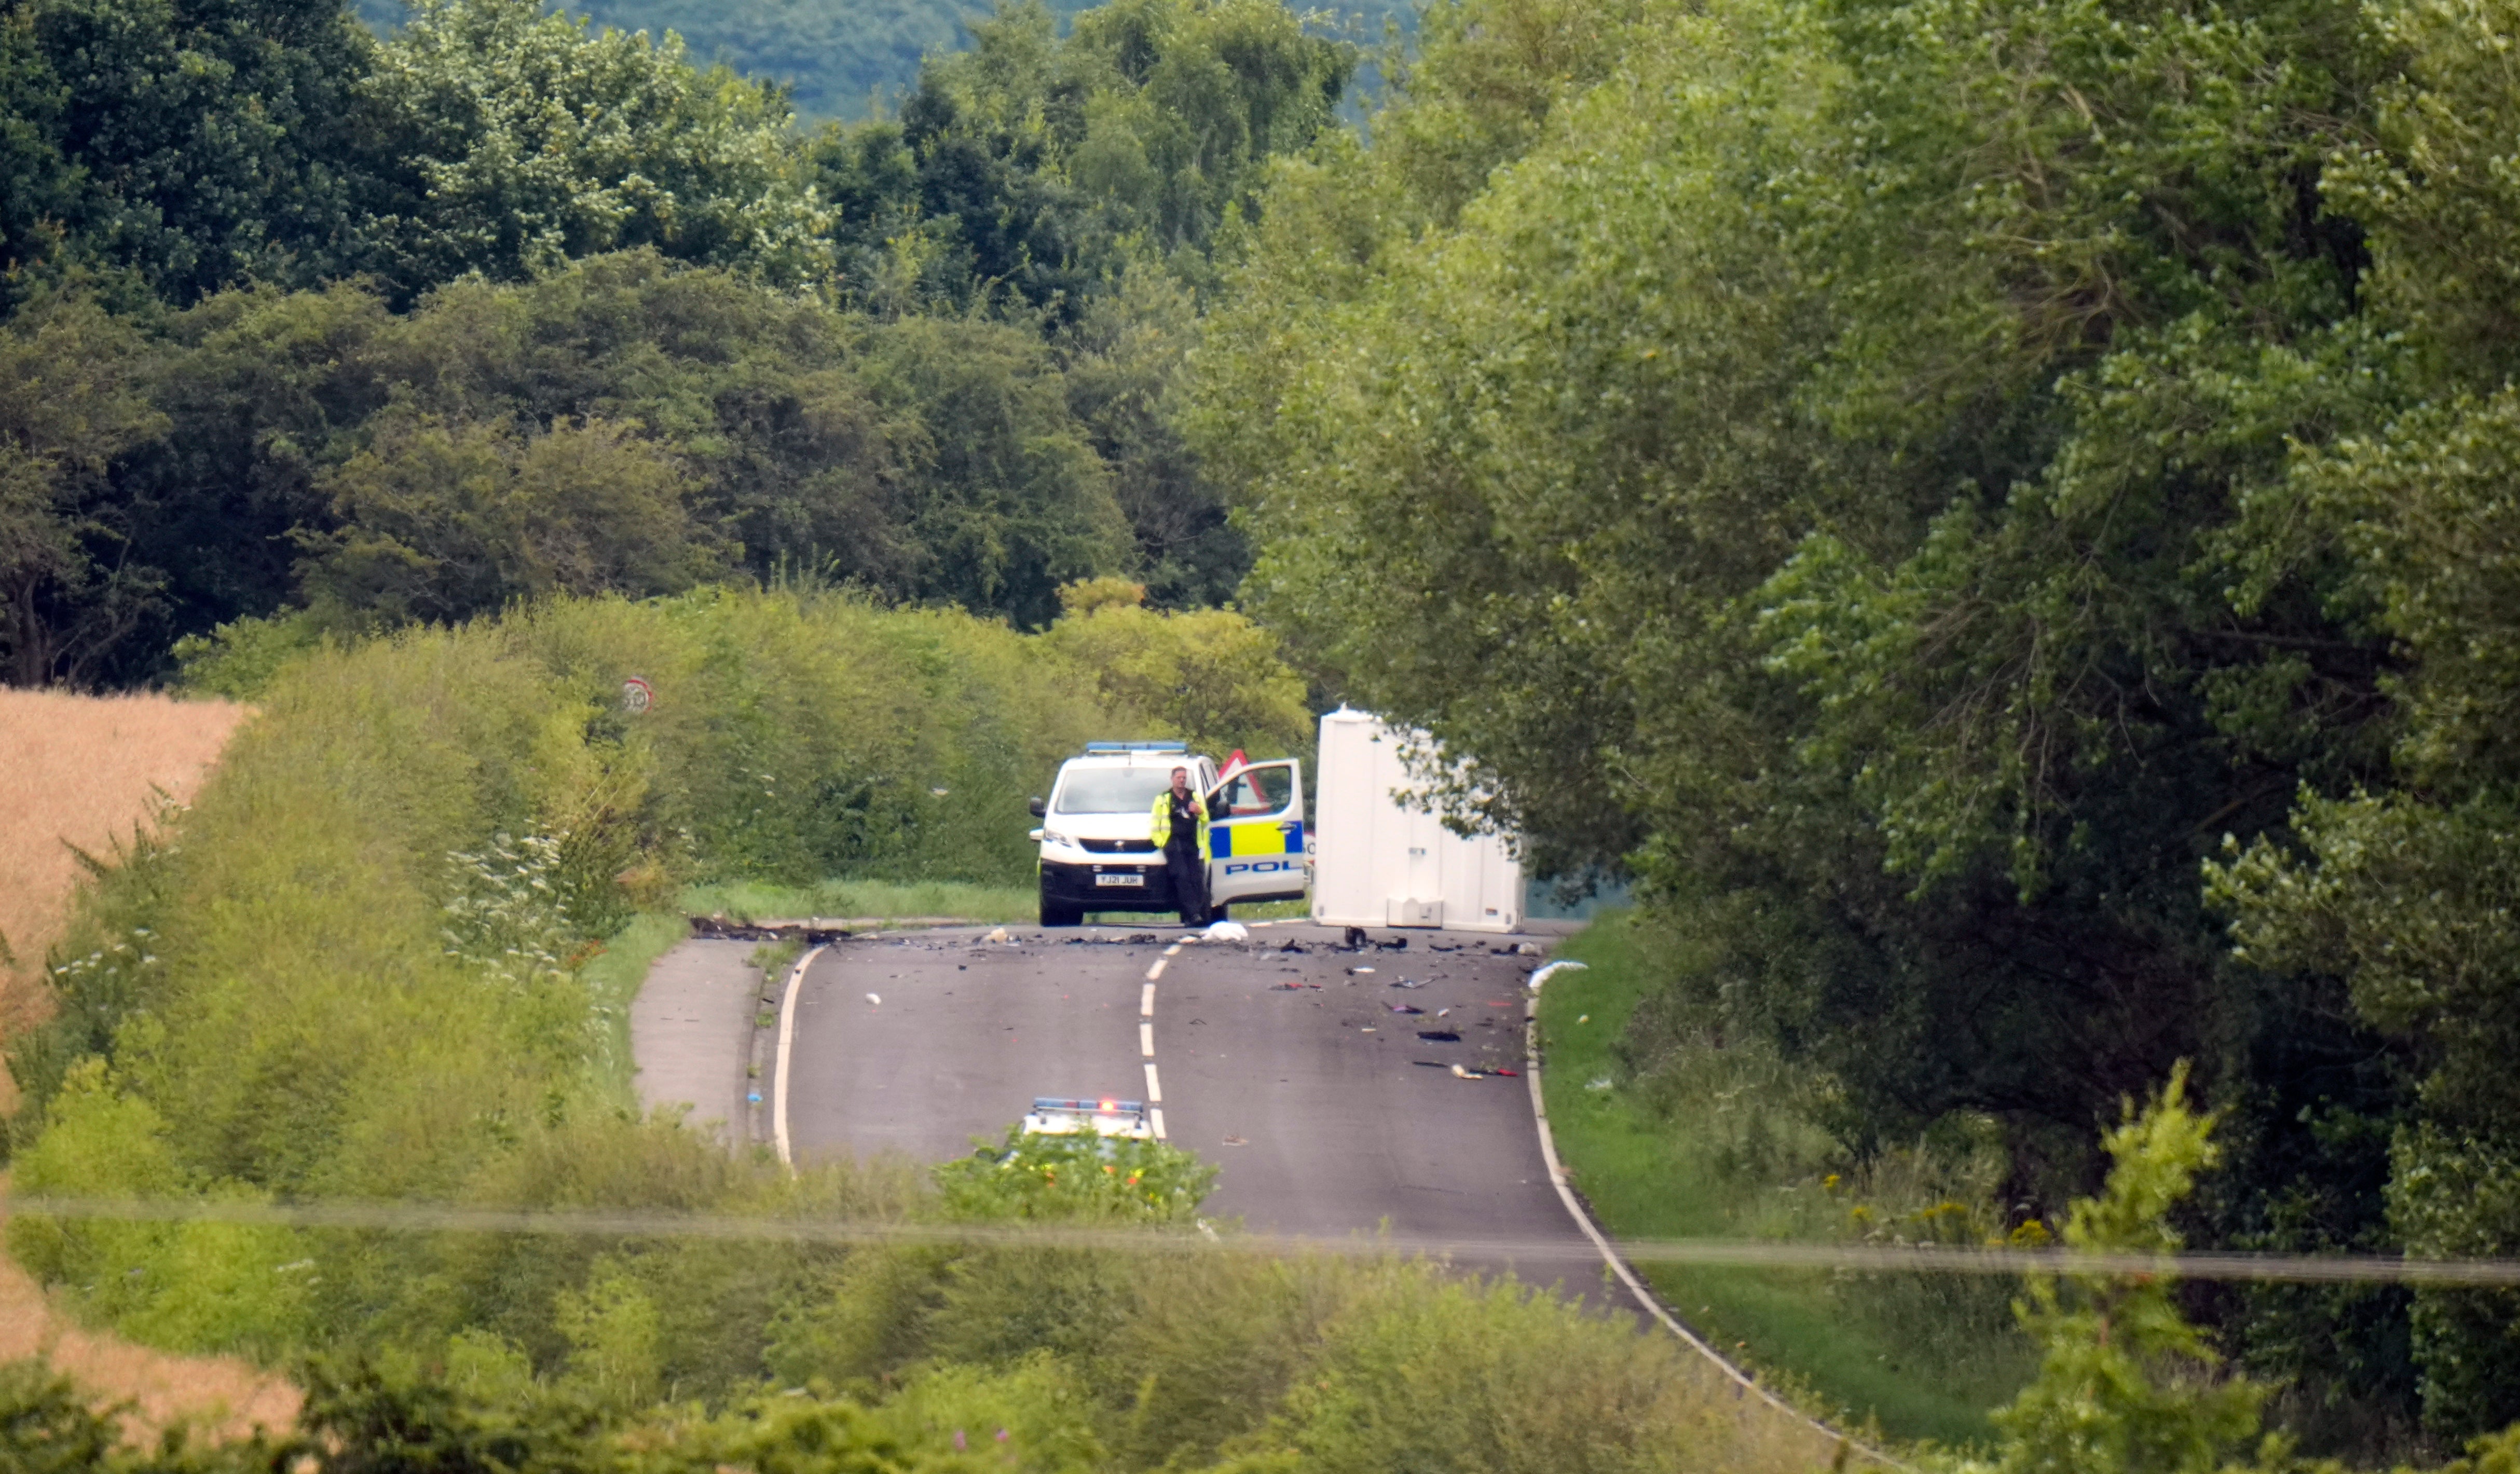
pixel 837 55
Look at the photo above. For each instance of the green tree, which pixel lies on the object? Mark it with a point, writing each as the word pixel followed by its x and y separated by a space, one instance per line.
pixel 1210 677
pixel 1828 459
pixel 524 139
pixel 190 144
pixel 2126 1382
pixel 1040 167
pixel 442 522
pixel 71 400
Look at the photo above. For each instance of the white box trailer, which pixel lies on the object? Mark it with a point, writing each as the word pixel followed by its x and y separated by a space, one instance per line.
pixel 1378 861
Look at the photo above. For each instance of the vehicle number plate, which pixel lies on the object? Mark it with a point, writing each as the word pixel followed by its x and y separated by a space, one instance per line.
pixel 1130 878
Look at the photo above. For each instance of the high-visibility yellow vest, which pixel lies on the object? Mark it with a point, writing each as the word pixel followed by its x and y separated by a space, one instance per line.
pixel 1162 831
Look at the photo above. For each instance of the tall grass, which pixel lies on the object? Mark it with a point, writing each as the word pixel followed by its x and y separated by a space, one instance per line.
pixel 1672 1130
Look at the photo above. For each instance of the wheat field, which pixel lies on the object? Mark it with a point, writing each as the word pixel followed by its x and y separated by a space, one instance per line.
pixel 82 770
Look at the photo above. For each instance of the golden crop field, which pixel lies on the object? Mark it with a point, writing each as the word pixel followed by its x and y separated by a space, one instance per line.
pixel 84 772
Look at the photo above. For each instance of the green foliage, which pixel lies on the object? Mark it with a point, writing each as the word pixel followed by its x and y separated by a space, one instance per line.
pixel 1045 167
pixel 195 1286
pixel 881 900
pixel 521 140
pixel 937 358
pixel 1076 1179
pixel 448 823
pixel 2127 1382
pixel 70 404
pixel 243 656
pixel 838 58
pixel 442 523
pixel 1675 1126
pixel 1906 480
pixel 1210 676
pixel 179 147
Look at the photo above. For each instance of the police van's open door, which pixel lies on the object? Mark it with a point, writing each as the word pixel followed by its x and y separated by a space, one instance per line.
pixel 1256 835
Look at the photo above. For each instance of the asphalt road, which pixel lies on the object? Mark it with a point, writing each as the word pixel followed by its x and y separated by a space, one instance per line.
pixel 1328 1111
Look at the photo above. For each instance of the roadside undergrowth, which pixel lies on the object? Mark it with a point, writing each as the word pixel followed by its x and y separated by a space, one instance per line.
pixel 1672 1131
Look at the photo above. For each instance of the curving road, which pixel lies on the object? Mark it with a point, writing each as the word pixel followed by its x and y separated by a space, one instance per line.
pixel 1326 1109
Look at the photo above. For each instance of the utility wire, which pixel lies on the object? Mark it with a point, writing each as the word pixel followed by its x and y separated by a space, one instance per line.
pixel 1756 1254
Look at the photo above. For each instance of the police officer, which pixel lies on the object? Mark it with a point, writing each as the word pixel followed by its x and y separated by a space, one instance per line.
pixel 1180 830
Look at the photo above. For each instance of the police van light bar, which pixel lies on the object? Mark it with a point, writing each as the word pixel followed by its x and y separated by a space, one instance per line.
pixel 1167 744
pixel 1103 1107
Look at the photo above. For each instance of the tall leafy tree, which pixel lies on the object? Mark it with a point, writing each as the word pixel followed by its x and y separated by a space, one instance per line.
pixel 2405 889
pixel 71 400
pixel 192 143
pixel 1845 462
pixel 522 140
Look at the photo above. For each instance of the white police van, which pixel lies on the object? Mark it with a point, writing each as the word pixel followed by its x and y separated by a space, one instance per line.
pixel 1097 852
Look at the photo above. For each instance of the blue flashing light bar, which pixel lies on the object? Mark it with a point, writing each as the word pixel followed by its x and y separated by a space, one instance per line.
pixel 1104 1106
pixel 1166 744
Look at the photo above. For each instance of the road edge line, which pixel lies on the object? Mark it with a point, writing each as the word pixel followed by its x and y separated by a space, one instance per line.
pixel 786 1050
pixel 1635 1286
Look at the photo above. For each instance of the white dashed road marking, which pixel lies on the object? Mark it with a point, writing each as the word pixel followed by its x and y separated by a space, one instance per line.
pixel 1158 1114
pixel 1156 970
pixel 1146 1002
pixel 1155 1090
pixel 1147 1038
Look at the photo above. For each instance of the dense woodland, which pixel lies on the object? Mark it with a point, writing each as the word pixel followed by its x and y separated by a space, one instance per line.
pixel 1999 514
pixel 509 305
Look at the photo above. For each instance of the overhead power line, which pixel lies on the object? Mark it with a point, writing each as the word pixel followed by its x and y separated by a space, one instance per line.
pixel 1519 1253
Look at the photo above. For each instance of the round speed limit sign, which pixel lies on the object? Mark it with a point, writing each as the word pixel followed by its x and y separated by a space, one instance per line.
pixel 637 696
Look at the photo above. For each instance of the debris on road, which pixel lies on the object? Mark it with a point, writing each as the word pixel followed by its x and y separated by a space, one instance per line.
pixel 1235 1141
pixel 999 935
pixel 720 927
pixel 1404 1008
pixel 1459 1073
pixel 1359 972
pixel 1291 987
pixel 1439 1036
pixel 1357 939
pixel 1549 971
pixel 1228 931
pixel 1396 944
pixel 1409 982
pixel 871 998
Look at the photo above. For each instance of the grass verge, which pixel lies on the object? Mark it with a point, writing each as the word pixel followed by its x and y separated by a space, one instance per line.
pixel 865 899
pixel 1919 1359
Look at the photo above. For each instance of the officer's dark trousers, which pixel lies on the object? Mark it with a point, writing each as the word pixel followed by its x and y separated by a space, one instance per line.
pixel 1189 883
